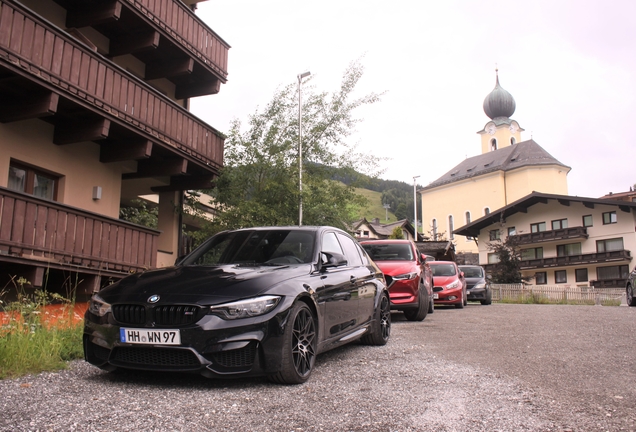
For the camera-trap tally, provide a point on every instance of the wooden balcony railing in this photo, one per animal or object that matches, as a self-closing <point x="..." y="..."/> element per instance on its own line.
<point x="553" y="235"/>
<point x="42" y="230"/>
<point x="572" y="260"/>
<point x="51" y="57"/>
<point x="185" y="27"/>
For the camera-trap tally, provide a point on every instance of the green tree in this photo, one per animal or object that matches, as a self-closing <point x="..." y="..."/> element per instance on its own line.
<point x="140" y="213"/>
<point x="259" y="183"/>
<point x="507" y="270"/>
<point x="397" y="233"/>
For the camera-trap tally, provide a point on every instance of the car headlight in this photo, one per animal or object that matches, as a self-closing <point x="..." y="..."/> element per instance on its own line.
<point x="480" y="286"/>
<point x="98" y="306"/>
<point x="245" y="308"/>
<point x="453" y="285"/>
<point x="405" y="276"/>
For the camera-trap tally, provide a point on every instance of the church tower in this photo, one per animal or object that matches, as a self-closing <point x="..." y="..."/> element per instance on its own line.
<point x="501" y="131"/>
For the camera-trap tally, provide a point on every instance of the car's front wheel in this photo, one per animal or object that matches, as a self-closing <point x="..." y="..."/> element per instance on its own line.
<point x="488" y="299"/>
<point x="380" y="329"/>
<point x="630" y="296"/>
<point x="462" y="301"/>
<point x="299" y="347"/>
<point x="418" y="313"/>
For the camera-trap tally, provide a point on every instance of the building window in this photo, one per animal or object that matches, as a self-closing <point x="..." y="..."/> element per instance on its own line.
<point x="537" y="227"/>
<point x="513" y="141"/>
<point x="532" y="253"/>
<point x="365" y="233"/>
<point x="569" y="249"/>
<point x="493" y="258"/>
<point x="469" y="238"/>
<point x="612" y="272"/>
<point x="609" y="245"/>
<point x="581" y="275"/>
<point x="32" y="181"/>
<point x="559" y="224"/>
<point x="493" y="144"/>
<point x="512" y="231"/>
<point x="587" y="221"/>
<point x="451" y="227"/>
<point x="609" y="218"/>
<point x="495" y="235"/>
<point x="541" y="278"/>
<point x="486" y="211"/>
<point x="434" y="224"/>
<point x="560" y="276"/>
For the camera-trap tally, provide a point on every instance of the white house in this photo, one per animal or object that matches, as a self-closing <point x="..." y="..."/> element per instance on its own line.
<point x="563" y="239"/>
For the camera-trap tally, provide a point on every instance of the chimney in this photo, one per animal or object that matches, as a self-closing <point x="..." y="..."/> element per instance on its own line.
<point x="376" y="220"/>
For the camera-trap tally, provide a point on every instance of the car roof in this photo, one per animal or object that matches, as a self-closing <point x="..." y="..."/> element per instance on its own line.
<point x="442" y="262"/>
<point x="386" y="241"/>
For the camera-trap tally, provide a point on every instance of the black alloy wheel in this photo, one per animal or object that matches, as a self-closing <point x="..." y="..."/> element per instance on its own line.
<point x="380" y="329"/>
<point x="299" y="350"/>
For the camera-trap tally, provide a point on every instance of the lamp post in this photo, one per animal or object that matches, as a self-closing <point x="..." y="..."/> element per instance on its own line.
<point x="415" y="206"/>
<point x="300" y="149"/>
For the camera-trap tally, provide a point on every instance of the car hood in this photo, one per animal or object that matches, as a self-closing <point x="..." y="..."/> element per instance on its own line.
<point x="200" y="284"/>
<point x="443" y="280"/>
<point x="393" y="268"/>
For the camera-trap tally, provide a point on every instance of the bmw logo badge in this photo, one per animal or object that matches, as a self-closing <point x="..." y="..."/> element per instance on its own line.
<point x="153" y="298"/>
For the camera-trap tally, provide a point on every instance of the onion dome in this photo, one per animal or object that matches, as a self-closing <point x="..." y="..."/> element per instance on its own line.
<point x="499" y="103"/>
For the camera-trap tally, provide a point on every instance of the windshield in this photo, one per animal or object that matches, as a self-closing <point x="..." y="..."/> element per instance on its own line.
<point x="276" y="247"/>
<point x="473" y="272"/>
<point x="443" y="269"/>
<point x="389" y="252"/>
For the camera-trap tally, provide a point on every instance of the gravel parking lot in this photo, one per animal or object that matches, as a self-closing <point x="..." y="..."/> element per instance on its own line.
<point x="483" y="368"/>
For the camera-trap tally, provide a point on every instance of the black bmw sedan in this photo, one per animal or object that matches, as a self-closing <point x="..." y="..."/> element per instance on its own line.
<point x="250" y="302"/>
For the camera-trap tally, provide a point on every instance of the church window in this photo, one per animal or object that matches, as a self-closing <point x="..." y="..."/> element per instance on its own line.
<point x="493" y="144"/>
<point x="434" y="226"/>
<point x="513" y="141"/>
<point x="486" y="211"/>
<point x="469" y="238"/>
<point x="451" y="227"/>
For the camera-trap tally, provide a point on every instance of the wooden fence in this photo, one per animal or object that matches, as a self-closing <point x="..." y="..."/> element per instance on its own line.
<point x="564" y="294"/>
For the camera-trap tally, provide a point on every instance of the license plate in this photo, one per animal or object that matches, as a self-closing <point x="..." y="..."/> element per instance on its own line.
<point x="155" y="337"/>
<point x="435" y="296"/>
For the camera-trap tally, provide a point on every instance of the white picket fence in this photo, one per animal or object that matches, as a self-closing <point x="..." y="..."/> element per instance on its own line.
<point x="557" y="294"/>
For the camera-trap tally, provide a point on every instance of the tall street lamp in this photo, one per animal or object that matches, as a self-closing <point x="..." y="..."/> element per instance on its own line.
<point x="415" y="206"/>
<point x="300" y="149"/>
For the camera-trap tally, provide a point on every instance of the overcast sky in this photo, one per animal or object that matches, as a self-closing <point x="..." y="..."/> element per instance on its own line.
<point x="570" y="66"/>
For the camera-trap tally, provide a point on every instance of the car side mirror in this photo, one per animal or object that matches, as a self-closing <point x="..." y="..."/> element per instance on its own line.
<point x="461" y="274"/>
<point x="332" y="259"/>
<point x="423" y="257"/>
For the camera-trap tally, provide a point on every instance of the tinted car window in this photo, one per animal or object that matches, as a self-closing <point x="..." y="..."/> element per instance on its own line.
<point x="443" y="269"/>
<point x="351" y="252"/>
<point x="472" y="272"/>
<point x="254" y="247"/>
<point x="389" y="252"/>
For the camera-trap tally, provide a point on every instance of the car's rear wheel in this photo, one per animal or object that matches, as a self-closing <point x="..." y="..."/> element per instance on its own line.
<point x="381" y="327"/>
<point x="418" y="313"/>
<point x="630" y="296"/>
<point x="299" y="347"/>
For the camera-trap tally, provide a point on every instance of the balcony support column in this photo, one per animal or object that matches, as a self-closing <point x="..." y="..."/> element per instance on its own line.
<point x="168" y="224"/>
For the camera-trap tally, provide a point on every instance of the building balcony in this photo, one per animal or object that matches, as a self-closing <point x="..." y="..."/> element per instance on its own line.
<point x="166" y="36"/>
<point x="47" y="235"/>
<point x="47" y="74"/>
<point x="553" y="235"/>
<point x="572" y="260"/>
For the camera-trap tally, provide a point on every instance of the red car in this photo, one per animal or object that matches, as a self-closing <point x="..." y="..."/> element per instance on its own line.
<point x="449" y="284"/>
<point x="407" y="275"/>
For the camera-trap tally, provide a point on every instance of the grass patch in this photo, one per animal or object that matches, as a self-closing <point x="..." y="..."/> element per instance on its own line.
<point x="39" y="331"/>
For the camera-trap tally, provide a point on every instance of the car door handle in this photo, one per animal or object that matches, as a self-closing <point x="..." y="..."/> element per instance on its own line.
<point x="353" y="280"/>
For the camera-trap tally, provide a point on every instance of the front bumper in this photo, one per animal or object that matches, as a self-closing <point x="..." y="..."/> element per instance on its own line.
<point x="449" y="296"/>
<point x="477" y="294"/>
<point x="212" y="347"/>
